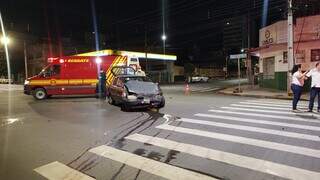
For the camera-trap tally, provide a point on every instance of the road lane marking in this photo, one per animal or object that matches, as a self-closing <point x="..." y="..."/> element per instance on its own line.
<point x="253" y="129"/>
<point x="283" y="102"/>
<point x="260" y="110"/>
<point x="267" y="115"/>
<point x="59" y="171"/>
<point x="273" y="105"/>
<point x="257" y="121"/>
<point x="148" y="165"/>
<point x="262" y="107"/>
<point x="263" y="166"/>
<point x="243" y="140"/>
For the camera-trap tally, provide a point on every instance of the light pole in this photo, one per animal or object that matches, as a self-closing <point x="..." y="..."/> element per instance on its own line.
<point x="5" y="41"/>
<point x="25" y="58"/>
<point x="290" y="45"/>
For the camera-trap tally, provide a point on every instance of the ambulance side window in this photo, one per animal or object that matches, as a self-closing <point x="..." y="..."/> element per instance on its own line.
<point x="56" y="69"/>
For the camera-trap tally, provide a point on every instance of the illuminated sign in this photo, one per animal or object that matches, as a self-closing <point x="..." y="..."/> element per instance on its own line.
<point x="78" y="60"/>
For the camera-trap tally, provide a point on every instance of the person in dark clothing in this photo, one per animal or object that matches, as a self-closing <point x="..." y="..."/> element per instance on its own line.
<point x="102" y="84"/>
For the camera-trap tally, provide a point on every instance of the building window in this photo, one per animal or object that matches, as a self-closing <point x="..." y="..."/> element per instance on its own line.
<point x="300" y="56"/>
<point x="268" y="68"/>
<point x="285" y="57"/>
<point x="315" y="55"/>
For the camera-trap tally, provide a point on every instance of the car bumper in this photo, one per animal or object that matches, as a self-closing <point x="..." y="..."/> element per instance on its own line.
<point x="154" y="102"/>
<point x="27" y="89"/>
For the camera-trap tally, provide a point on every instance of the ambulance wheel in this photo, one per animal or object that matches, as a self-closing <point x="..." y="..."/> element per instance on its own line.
<point x="40" y="94"/>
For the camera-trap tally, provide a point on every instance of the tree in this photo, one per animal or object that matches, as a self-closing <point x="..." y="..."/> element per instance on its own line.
<point x="3" y="68"/>
<point x="189" y="70"/>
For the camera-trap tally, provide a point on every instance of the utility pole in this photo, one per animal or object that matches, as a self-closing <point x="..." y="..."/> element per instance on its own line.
<point x="25" y="58"/>
<point x="290" y="45"/>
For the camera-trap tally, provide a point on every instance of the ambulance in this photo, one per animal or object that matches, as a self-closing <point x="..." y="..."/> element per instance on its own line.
<point x="74" y="75"/>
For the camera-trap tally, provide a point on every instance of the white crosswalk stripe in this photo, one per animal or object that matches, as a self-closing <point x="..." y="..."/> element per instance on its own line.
<point x="244" y="140"/>
<point x="258" y="121"/>
<point x="230" y="158"/>
<point x="259" y="110"/>
<point x="273" y="105"/>
<point x="279" y="102"/>
<point x="253" y="129"/>
<point x="148" y="165"/>
<point x="59" y="171"/>
<point x="261" y="107"/>
<point x="267" y="116"/>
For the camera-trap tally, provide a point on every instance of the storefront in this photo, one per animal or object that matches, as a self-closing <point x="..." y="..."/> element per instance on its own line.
<point x="272" y="51"/>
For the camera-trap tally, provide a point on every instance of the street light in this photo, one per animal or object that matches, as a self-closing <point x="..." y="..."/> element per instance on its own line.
<point x="164" y="37"/>
<point x="5" y="40"/>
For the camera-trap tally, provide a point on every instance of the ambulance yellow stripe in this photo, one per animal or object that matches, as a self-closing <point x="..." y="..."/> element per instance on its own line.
<point x="109" y="73"/>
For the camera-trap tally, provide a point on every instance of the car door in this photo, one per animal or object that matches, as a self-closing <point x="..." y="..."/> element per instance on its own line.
<point x="116" y="89"/>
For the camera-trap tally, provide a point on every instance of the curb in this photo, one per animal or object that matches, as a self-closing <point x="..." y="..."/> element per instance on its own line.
<point x="259" y="96"/>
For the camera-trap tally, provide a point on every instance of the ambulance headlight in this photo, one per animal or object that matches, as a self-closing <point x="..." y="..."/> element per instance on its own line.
<point x="26" y="82"/>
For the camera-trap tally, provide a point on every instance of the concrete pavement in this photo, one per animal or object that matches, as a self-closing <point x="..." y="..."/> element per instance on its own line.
<point x="201" y="136"/>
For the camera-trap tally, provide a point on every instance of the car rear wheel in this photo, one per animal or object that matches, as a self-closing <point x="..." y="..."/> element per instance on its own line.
<point x="40" y="94"/>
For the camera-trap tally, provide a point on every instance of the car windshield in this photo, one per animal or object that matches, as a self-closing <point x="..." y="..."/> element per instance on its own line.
<point x="136" y="78"/>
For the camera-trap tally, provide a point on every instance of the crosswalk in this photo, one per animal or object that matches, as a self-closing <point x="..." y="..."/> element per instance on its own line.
<point x="260" y="137"/>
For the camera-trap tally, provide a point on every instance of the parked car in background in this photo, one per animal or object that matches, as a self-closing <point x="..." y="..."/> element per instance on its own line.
<point x="134" y="91"/>
<point x="198" y="78"/>
<point x="5" y="81"/>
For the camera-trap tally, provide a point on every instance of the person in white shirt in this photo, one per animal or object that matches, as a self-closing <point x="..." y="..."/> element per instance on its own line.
<point x="315" y="86"/>
<point x="297" y="84"/>
<point x="140" y="72"/>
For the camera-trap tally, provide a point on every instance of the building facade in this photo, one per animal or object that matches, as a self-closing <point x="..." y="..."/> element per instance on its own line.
<point x="272" y="51"/>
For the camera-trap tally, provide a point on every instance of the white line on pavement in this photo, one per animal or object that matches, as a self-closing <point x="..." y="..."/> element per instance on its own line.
<point x="253" y="129"/>
<point x="273" y="105"/>
<point x="260" y="110"/>
<point x="59" y="171"/>
<point x="261" y="107"/>
<point x="148" y="165"/>
<point x="281" y="102"/>
<point x="257" y="121"/>
<point x="263" y="166"/>
<point x="243" y="140"/>
<point x="266" y="115"/>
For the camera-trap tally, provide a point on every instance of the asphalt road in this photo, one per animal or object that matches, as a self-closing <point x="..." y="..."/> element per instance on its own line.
<point x="199" y="136"/>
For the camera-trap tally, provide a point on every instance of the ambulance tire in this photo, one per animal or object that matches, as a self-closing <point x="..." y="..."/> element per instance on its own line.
<point x="40" y="94"/>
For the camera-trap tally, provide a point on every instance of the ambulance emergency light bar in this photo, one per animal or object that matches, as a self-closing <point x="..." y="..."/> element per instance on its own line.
<point x="130" y="53"/>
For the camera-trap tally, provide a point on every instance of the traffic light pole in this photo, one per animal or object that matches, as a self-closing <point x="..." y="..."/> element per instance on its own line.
<point x="290" y="45"/>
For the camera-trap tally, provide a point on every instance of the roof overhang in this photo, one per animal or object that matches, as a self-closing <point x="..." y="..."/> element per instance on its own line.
<point x="163" y="57"/>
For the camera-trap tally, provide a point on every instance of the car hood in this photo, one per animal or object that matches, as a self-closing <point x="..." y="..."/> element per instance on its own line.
<point x="141" y="87"/>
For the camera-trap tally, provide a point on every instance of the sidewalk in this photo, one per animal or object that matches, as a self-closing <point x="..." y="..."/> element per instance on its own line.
<point x="256" y="91"/>
<point x="13" y="87"/>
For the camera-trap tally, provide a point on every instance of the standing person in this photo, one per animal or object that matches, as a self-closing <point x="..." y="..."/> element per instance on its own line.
<point x="315" y="86"/>
<point x="297" y="85"/>
<point x="102" y="84"/>
<point x="140" y="72"/>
